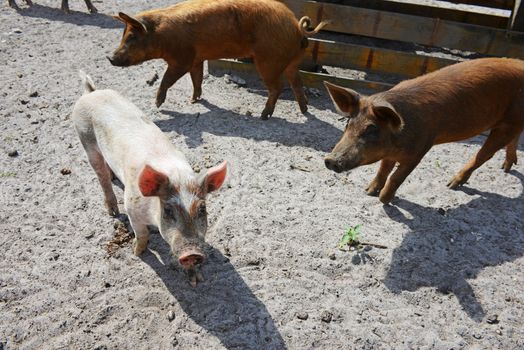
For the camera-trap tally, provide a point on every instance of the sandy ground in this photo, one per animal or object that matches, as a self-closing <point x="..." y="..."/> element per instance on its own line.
<point x="452" y="276"/>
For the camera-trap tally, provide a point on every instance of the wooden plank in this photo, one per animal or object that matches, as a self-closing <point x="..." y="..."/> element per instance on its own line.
<point x="421" y="30"/>
<point x="500" y="4"/>
<point x="517" y="16"/>
<point x="482" y="19"/>
<point x="377" y="60"/>
<point x="308" y="79"/>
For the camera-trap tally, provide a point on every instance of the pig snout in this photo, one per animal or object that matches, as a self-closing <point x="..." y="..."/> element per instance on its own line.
<point x="190" y="258"/>
<point x="118" y="61"/>
<point x="333" y="164"/>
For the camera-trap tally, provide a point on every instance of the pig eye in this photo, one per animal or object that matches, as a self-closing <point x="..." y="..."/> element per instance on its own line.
<point x="371" y="131"/>
<point x="168" y="212"/>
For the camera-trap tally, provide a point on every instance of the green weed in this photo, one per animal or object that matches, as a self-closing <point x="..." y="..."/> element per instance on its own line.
<point x="7" y="174"/>
<point x="351" y="237"/>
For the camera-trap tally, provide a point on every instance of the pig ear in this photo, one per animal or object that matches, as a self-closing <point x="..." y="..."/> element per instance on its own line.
<point x="387" y="113"/>
<point x="133" y="22"/>
<point x="215" y="177"/>
<point x="118" y="19"/>
<point x="346" y="100"/>
<point x="152" y="182"/>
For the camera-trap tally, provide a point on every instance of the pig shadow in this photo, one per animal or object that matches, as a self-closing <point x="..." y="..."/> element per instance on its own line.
<point x="74" y="17"/>
<point x="313" y="133"/>
<point x="317" y="97"/>
<point x="223" y="304"/>
<point x="448" y="247"/>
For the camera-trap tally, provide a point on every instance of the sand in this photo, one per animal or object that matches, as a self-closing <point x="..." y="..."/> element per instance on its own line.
<point x="452" y="276"/>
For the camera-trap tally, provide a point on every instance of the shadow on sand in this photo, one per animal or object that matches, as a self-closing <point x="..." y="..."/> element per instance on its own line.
<point x="447" y="248"/>
<point x="75" y="17"/>
<point x="313" y="133"/>
<point x="223" y="304"/>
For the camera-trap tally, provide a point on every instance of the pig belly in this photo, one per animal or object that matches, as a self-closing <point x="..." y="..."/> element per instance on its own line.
<point x="467" y="129"/>
<point x="227" y="50"/>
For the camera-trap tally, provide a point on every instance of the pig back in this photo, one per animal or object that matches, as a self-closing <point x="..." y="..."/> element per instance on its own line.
<point x="124" y="135"/>
<point x="462" y="100"/>
<point x="229" y="29"/>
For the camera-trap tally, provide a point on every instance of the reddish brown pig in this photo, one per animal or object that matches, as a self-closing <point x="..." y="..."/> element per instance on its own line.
<point x="65" y="5"/>
<point x="187" y="34"/>
<point x="452" y="104"/>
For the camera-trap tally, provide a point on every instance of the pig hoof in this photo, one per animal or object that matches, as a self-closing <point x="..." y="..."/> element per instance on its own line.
<point x="266" y="113"/>
<point x="458" y="180"/>
<point x="93" y="10"/>
<point x="195" y="100"/>
<point x="303" y="109"/>
<point x="372" y="193"/>
<point x="385" y="201"/>
<point x="159" y="101"/>
<point x="386" y="198"/>
<point x="265" y="116"/>
<point x="112" y="209"/>
<point x="139" y="247"/>
<point x="507" y="165"/>
<point x="373" y="190"/>
<point x="454" y="184"/>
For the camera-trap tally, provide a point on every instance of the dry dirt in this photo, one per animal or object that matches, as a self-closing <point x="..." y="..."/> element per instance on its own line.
<point x="452" y="276"/>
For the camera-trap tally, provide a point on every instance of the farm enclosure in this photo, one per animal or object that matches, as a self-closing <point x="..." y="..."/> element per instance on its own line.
<point x="452" y="276"/>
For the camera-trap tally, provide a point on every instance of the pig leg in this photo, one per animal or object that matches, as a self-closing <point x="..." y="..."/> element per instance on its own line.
<point x="497" y="139"/>
<point x="141" y="237"/>
<point x="275" y="88"/>
<point x="511" y="154"/>
<point x="135" y="209"/>
<point x="65" y="6"/>
<point x="271" y="76"/>
<point x="90" y="6"/>
<point x="197" y="75"/>
<point x="397" y="178"/>
<point x="172" y="74"/>
<point x="13" y="4"/>
<point x="294" y="80"/>
<point x="103" y="172"/>
<point x="376" y="185"/>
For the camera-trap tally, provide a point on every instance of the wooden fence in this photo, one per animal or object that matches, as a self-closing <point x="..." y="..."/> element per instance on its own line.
<point x="490" y="33"/>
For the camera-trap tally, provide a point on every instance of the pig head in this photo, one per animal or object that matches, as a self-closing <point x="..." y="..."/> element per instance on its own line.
<point x="371" y="131"/>
<point x="182" y="214"/>
<point x="138" y="42"/>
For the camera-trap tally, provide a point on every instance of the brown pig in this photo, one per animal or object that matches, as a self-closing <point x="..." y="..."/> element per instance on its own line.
<point x="451" y="104"/>
<point x="187" y="34"/>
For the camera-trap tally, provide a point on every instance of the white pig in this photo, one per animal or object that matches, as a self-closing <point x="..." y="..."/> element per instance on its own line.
<point x="161" y="188"/>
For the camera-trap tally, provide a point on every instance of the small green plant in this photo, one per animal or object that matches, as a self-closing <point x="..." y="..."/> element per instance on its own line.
<point x="7" y="174"/>
<point x="350" y="237"/>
